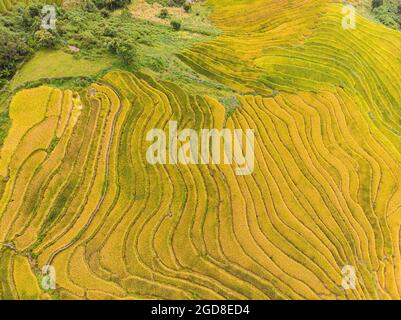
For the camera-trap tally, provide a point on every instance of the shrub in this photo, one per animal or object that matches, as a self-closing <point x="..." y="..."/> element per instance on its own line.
<point x="176" y="25"/>
<point x="110" y="32"/>
<point x="105" y="13"/>
<point x="127" y="52"/>
<point x="163" y="14"/>
<point x="388" y="15"/>
<point x="176" y="3"/>
<point x="111" y="4"/>
<point x="187" y="7"/>
<point x="45" y="39"/>
<point x="87" y="39"/>
<point x="34" y="10"/>
<point x="116" y="4"/>
<point x="376" y="3"/>
<point x="13" y="49"/>
<point x="125" y="49"/>
<point x="100" y="4"/>
<point x="89" y="6"/>
<point x="31" y="17"/>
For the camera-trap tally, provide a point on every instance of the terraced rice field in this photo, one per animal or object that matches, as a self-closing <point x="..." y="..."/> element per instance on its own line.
<point x="78" y="193"/>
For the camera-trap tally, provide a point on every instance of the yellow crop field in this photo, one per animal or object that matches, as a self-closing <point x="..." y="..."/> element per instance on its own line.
<point x="323" y="103"/>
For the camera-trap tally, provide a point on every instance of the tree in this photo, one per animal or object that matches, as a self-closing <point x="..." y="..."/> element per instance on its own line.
<point x="31" y="17"/>
<point x="125" y="49"/>
<point x="13" y="49"/>
<point x="89" y="6"/>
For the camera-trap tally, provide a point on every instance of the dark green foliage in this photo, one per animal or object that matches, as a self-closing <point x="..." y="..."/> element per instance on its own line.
<point x="20" y="36"/>
<point x="110" y="32"/>
<point x="388" y="12"/>
<point x="45" y="39"/>
<point x="89" y="6"/>
<point x="176" y="3"/>
<point x="13" y="50"/>
<point x="376" y="3"/>
<point x="111" y="4"/>
<point x="87" y="40"/>
<point x="187" y="7"/>
<point x="176" y="25"/>
<point x="105" y="13"/>
<point x="124" y="48"/>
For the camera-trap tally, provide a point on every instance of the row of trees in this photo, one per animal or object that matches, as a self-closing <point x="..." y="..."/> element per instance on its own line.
<point x="13" y="50"/>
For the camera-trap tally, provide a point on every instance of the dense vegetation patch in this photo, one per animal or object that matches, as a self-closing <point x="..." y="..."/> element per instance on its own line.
<point x="95" y="32"/>
<point x="92" y="29"/>
<point x="388" y="12"/>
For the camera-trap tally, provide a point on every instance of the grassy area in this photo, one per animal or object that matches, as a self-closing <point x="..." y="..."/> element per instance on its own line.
<point x="56" y="64"/>
<point x="130" y="39"/>
<point x="195" y="21"/>
<point x="387" y="12"/>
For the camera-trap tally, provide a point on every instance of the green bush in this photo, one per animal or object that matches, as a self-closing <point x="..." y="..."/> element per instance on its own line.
<point x="111" y="4"/>
<point x="125" y="49"/>
<point x="376" y="3"/>
<point x="176" y="3"/>
<point x="105" y="13"/>
<point x="110" y="32"/>
<point x="163" y="14"/>
<point x="176" y="25"/>
<point x="87" y="39"/>
<point x="187" y="7"/>
<point x="89" y="6"/>
<point x="45" y="39"/>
